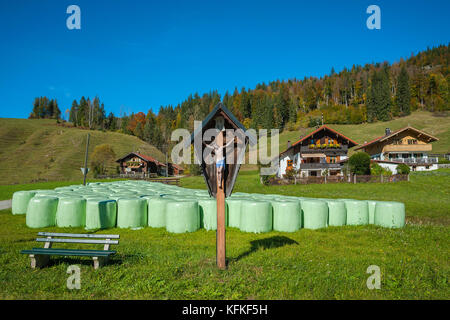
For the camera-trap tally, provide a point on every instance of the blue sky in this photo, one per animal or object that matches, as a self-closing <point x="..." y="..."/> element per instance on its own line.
<point x="137" y="55"/>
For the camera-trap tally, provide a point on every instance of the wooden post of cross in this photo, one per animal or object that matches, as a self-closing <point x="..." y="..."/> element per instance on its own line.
<point x="220" y="198"/>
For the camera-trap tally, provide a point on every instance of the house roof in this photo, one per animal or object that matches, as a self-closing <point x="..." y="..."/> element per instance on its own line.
<point x="176" y="166"/>
<point x="385" y="137"/>
<point x="210" y="116"/>
<point x="143" y="157"/>
<point x="352" y="143"/>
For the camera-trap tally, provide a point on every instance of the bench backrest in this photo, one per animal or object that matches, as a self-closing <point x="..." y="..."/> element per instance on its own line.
<point x="51" y="237"/>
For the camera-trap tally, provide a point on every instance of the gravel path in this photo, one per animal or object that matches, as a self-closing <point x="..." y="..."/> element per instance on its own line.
<point x="6" y="204"/>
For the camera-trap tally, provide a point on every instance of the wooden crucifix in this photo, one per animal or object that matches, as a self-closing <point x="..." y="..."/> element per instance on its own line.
<point x="219" y="174"/>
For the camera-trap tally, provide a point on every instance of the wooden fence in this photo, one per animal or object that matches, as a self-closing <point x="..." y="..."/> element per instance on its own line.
<point x="146" y="177"/>
<point x="341" y="179"/>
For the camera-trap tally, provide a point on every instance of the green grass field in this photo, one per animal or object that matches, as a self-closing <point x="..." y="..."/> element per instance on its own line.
<point x="38" y="149"/>
<point x="329" y="263"/>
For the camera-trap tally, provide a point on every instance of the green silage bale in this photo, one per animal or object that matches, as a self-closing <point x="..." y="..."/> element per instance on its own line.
<point x="315" y="214"/>
<point x="41" y="212"/>
<point x="256" y="216"/>
<point x="357" y="212"/>
<point x="182" y="216"/>
<point x="20" y="200"/>
<point x="100" y="213"/>
<point x="234" y="211"/>
<point x="372" y="205"/>
<point x="208" y="213"/>
<point x="287" y="215"/>
<point x="157" y="211"/>
<point x="131" y="212"/>
<point x="71" y="212"/>
<point x="337" y="213"/>
<point x="390" y="214"/>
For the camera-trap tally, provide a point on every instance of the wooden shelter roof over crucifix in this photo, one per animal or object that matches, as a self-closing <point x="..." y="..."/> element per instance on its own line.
<point x="231" y="169"/>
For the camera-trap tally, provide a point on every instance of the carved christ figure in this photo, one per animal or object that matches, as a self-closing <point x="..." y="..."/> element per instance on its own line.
<point x="219" y="158"/>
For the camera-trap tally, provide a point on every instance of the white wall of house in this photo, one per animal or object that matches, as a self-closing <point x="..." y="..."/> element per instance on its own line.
<point x="296" y="160"/>
<point x="283" y="165"/>
<point x="393" y="167"/>
<point x="431" y="167"/>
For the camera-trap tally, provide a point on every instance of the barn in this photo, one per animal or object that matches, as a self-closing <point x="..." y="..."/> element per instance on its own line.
<point x="137" y="163"/>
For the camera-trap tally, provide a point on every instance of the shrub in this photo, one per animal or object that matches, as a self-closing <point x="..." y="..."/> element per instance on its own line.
<point x="290" y="173"/>
<point x="376" y="169"/>
<point x="359" y="163"/>
<point x="102" y="159"/>
<point x="403" y="169"/>
<point x="265" y="179"/>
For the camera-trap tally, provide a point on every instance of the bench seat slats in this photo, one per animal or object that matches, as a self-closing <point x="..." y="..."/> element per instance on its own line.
<point x="91" y="241"/>
<point x="77" y="250"/>
<point x="79" y="235"/>
<point x="70" y="252"/>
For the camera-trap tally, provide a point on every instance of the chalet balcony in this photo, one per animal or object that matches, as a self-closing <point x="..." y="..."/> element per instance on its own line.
<point x="318" y="165"/>
<point x="342" y="149"/>
<point x="415" y="160"/>
<point x="407" y="148"/>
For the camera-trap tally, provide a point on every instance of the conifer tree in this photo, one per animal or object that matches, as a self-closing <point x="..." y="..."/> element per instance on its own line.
<point x="403" y="97"/>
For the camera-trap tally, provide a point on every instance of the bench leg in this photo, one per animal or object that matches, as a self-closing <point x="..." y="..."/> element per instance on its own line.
<point x="39" y="260"/>
<point x="100" y="261"/>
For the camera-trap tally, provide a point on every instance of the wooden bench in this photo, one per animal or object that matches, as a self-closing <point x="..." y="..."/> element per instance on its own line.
<point x="41" y="256"/>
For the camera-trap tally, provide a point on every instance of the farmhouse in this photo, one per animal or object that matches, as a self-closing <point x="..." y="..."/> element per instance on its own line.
<point x="174" y="169"/>
<point x="408" y="145"/>
<point x="317" y="153"/>
<point x="137" y="163"/>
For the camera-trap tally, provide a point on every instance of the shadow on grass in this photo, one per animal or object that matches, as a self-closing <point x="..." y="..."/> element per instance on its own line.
<point x="267" y="243"/>
<point x="81" y="261"/>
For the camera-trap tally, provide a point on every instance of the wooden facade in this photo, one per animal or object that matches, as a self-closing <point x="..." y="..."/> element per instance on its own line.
<point x="407" y="145"/>
<point x="316" y="153"/>
<point x="174" y="169"/>
<point x="137" y="163"/>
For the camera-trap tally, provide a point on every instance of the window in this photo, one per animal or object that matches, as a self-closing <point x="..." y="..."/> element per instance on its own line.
<point x="332" y="160"/>
<point x="289" y="164"/>
<point x="412" y="141"/>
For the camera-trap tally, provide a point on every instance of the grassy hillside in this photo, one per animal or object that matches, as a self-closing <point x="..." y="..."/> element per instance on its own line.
<point x="39" y="149"/>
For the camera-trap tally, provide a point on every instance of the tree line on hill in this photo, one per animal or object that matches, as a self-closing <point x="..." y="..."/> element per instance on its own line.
<point x="373" y="92"/>
<point x="45" y="108"/>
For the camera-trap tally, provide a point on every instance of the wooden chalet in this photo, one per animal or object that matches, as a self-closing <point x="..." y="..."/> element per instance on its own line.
<point x="137" y="163"/>
<point x="321" y="151"/>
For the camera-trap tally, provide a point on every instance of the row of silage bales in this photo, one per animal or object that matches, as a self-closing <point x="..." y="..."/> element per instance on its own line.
<point x="282" y="215"/>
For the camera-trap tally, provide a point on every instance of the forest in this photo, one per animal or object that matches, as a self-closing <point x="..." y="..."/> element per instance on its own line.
<point x="369" y="93"/>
